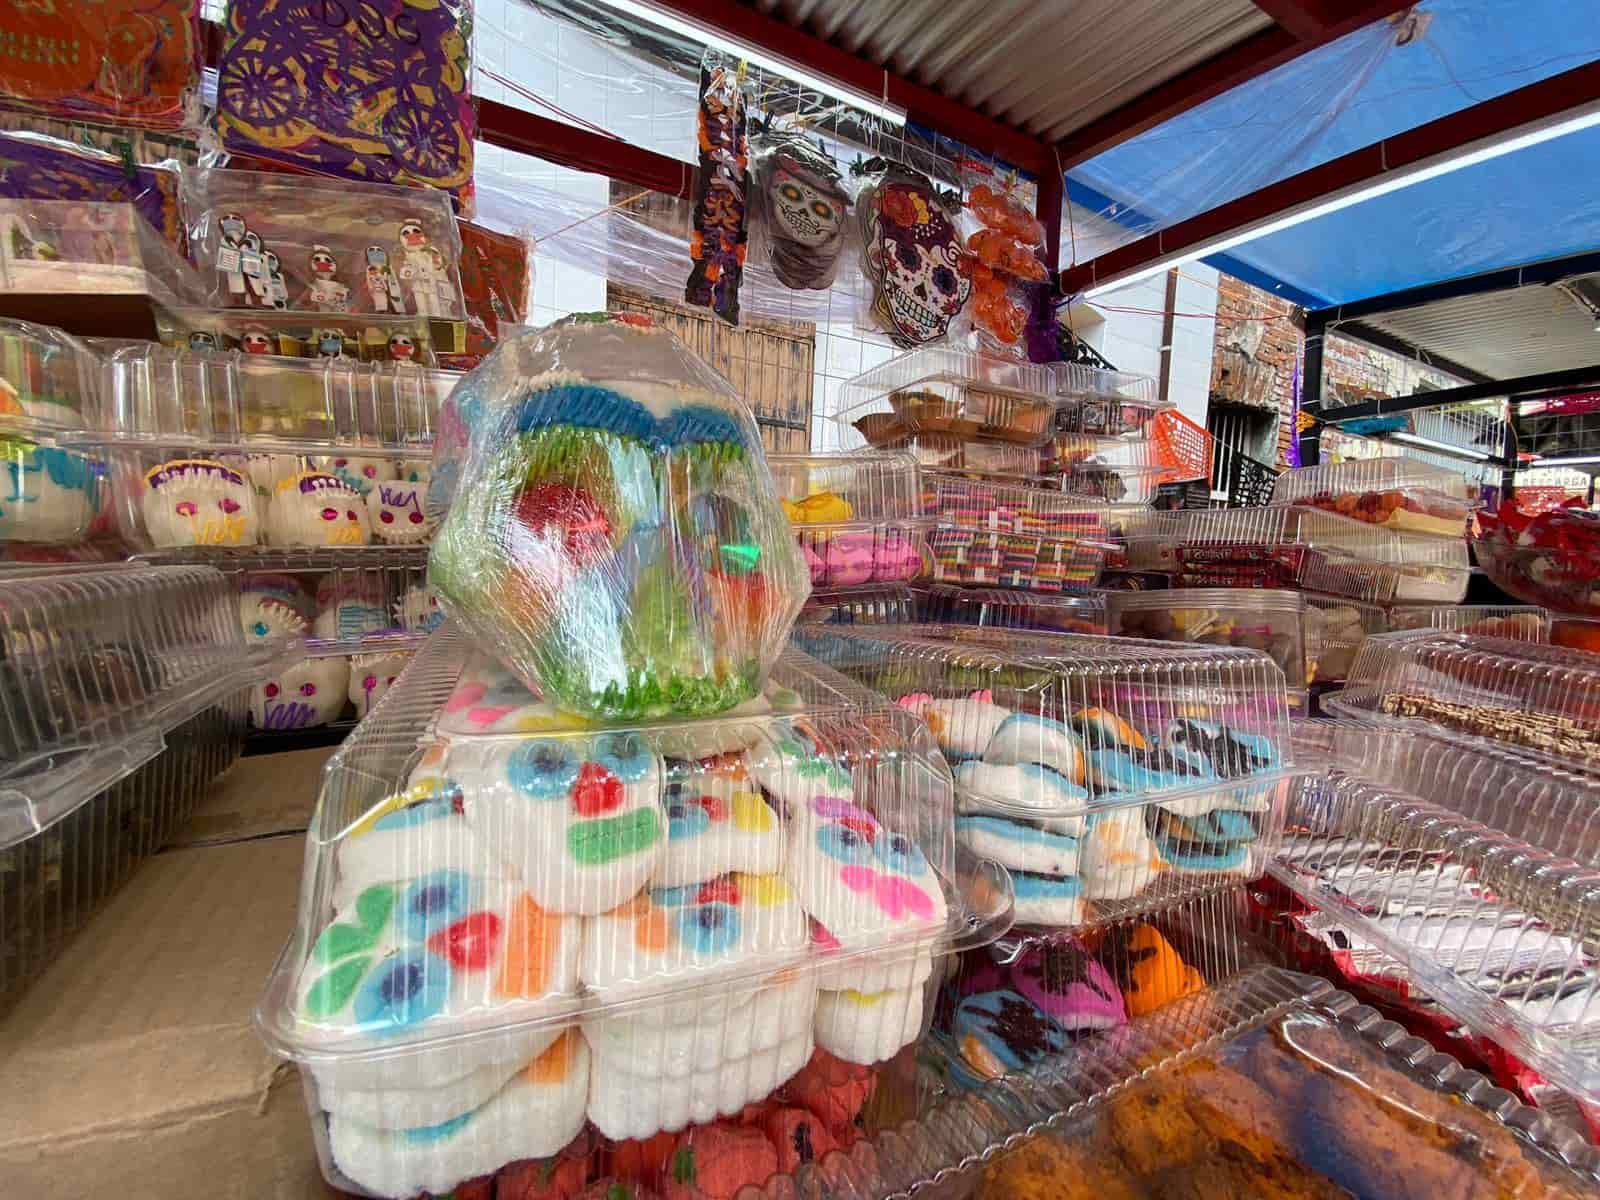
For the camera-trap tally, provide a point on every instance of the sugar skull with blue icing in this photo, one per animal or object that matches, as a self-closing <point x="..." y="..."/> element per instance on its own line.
<point x="717" y="821"/>
<point x="794" y="770"/>
<point x="199" y="502"/>
<point x="578" y="816"/>
<point x="362" y="474"/>
<point x="46" y="495"/>
<point x="613" y="496"/>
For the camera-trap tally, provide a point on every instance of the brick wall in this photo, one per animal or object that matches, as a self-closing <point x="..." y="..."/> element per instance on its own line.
<point x="1354" y="371"/>
<point x="1257" y="334"/>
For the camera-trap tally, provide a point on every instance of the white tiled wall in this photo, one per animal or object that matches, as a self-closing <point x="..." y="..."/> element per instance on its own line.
<point x="1132" y="340"/>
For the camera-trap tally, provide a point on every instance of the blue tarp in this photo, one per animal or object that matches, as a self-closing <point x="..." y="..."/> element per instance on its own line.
<point x="1382" y="80"/>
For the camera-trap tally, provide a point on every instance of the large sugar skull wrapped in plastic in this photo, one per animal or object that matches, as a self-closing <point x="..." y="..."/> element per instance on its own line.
<point x="613" y="533"/>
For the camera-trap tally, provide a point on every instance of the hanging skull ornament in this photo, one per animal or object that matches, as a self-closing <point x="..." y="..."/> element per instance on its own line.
<point x="912" y="252"/>
<point x="805" y="206"/>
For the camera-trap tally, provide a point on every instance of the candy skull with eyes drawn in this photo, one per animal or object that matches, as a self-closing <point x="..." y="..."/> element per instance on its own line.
<point x="360" y="473"/>
<point x="310" y="693"/>
<point x="313" y="508"/>
<point x="402" y="348"/>
<point x="199" y="502"/>
<point x="371" y="675"/>
<point x="255" y="341"/>
<point x="397" y="512"/>
<point x="912" y="251"/>
<point x="273" y="607"/>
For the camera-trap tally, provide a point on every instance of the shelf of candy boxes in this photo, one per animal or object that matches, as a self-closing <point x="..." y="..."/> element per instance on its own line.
<point x="1402" y="494"/>
<point x="1536" y="700"/>
<point x="858" y="518"/>
<point x="123" y="698"/>
<point x="1292" y="546"/>
<point x="688" y="915"/>
<point x="1109" y="776"/>
<point x="225" y="453"/>
<point x="1015" y="535"/>
<point x="1471" y="868"/>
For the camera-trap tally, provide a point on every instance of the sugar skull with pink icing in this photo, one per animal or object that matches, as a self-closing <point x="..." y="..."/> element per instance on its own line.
<point x="313" y="508"/>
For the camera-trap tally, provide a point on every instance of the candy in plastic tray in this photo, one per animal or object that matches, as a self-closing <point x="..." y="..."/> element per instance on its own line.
<point x="1101" y="401"/>
<point x="1537" y="699"/>
<point x="857" y="518"/>
<point x="1108" y="775"/>
<point x="1265" y="619"/>
<point x="1110" y="483"/>
<point x="948" y="452"/>
<point x="1403" y="494"/>
<point x="1000" y="608"/>
<point x="514" y="922"/>
<point x="49" y="389"/>
<point x="1471" y="867"/>
<point x="326" y="685"/>
<point x="893" y="604"/>
<point x="615" y="535"/>
<point x="1012" y="535"/>
<point x="365" y="338"/>
<point x="952" y="391"/>
<point x="1519" y="622"/>
<point x="54" y="249"/>
<point x="229" y="451"/>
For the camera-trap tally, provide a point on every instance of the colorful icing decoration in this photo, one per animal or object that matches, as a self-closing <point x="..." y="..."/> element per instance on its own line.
<point x="398" y="513"/>
<point x="1022" y="788"/>
<point x="273" y="608"/>
<point x="371" y="676"/>
<point x="46" y="495"/>
<point x="1025" y="738"/>
<point x="313" y="508"/>
<point x="1068" y="986"/>
<point x="1047" y="900"/>
<point x="418" y="610"/>
<point x="1001" y="1032"/>
<point x="912" y="253"/>
<point x="198" y="502"/>
<point x="1018" y="845"/>
<point x="803" y="207"/>
<point x="361" y="474"/>
<point x="308" y="694"/>
<point x="1118" y="859"/>
<point x="868" y="1027"/>
<point x="1217" y="841"/>
<point x="579" y="816"/>
<point x="488" y="699"/>
<point x="398" y="109"/>
<point x="795" y="772"/>
<point x="963" y="728"/>
<point x="717" y="821"/>
<point x="1229" y="753"/>
<point x="348" y="612"/>
<point x="1148" y="969"/>
<point x="717" y="244"/>
<point x="420" y="831"/>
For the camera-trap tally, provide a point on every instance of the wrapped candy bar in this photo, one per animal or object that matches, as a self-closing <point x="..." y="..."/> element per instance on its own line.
<point x="615" y="535"/>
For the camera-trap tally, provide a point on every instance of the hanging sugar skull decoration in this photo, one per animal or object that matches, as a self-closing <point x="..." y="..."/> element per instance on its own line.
<point x="921" y="276"/>
<point x="803" y="205"/>
<point x="717" y="244"/>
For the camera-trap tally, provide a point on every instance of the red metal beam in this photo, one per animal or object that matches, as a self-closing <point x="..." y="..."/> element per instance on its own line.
<point x="1238" y="64"/>
<point x="1542" y="101"/>
<point x="922" y="104"/>
<point x="1303" y="19"/>
<point x="579" y="148"/>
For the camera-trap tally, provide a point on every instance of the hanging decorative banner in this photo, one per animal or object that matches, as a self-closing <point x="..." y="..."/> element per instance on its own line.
<point x="375" y="90"/>
<point x="717" y="244"/>
<point x="801" y="207"/>
<point x="35" y="166"/>
<point x="911" y="250"/>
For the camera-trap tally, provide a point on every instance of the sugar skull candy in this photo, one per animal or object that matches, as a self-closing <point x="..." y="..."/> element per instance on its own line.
<point x="308" y="694"/>
<point x="397" y="511"/>
<point x="198" y="502"/>
<point x="921" y="274"/>
<point x="360" y="473"/>
<point x="46" y="495"/>
<point x="371" y="675"/>
<point x="313" y="508"/>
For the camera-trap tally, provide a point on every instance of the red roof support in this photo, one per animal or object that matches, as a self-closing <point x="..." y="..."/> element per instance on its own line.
<point x="1539" y="102"/>
<point x="583" y="150"/>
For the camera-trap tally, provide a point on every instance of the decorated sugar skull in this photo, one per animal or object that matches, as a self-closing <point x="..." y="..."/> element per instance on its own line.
<point x="308" y="694"/>
<point x="202" y="339"/>
<point x="265" y="471"/>
<point x="255" y="341"/>
<point x="46" y="495"/>
<point x="360" y="473"/>
<point x="414" y="470"/>
<point x="913" y="254"/>
<point x="418" y="609"/>
<point x="328" y="343"/>
<point x="613" y="495"/>
<point x="347" y="611"/>
<point x="402" y="347"/>
<point x="314" y="508"/>
<point x="273" y="608"/>
<point x="579" y="816"/>
<point x="489" y="699"/>
<point x="371" y="675"/>
<point x="397" y="512"/>
<point x="717" y="821"/>
<point x="805" y="207"/>
<point x="412" y="235"/>
<point x="199" y="502"/>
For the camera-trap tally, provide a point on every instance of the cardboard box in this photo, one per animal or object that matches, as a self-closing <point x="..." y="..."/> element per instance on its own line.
<point x="260" y="796"/>
<point x="131" y="1070"/>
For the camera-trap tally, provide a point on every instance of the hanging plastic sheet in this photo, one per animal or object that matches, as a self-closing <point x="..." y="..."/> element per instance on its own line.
<point x="36" y="167"/>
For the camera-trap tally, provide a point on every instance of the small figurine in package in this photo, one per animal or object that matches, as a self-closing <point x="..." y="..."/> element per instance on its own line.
<point x="717" y="244"/>
<point x="254" y="265"/>
<point x="402" y="347"/>
<point x="325" y="293"/>
<point x="255" y="341"/>
<point x="277" y="286"/>
<point x="326" y="343"/>
<point x="230" y="259"/>
<point x="911" y="250"/>
<point x="802" y="205"/>
<point x="383" y="289"/>
<point x="424" y="269"/>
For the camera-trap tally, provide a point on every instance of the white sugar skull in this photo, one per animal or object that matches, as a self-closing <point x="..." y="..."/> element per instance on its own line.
<point x="308" y="694"/>
<point x="415" y="470"/>
<point x="265" y="471"/>
<point x="396" y="510"/>
<point x="348" y="613"/>
<point x="199" y="502"/>
<point x="313" y="508"/>
<point x="359" y="473"/>
<point x="272" y="608"/>
<point x="255" y="341"/>
<point x="418" y="610"/>
<point x="46" y="495"/>
<point x="371" y="675"/>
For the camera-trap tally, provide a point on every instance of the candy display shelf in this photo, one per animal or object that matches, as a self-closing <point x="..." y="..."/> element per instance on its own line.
<point x="1402" y="494"/>
<point x="1001" y="608"/>
<point x="946" y="390"/>
<point x="857" y="518"/>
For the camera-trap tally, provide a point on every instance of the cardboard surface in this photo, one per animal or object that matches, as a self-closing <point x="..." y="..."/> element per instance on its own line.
<point x="259" y="796"/>
<point x="130" y="1068"/>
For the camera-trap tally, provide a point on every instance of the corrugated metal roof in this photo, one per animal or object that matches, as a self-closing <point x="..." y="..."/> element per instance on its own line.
<point x="1524" y="331"/>
<point x="1046" y="66"/>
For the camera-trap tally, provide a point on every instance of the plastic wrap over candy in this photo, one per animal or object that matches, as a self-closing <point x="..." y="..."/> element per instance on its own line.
<point x="615" y="536"/>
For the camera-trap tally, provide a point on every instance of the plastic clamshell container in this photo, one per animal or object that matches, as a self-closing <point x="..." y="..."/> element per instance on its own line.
<point x="1471" y="867"/>
<point x="1265" y="619"/>
<point x="1335" y="627"/>
<point x="1519" y="622"/>
<point x="894" y="604"/>
<point x="1110" y="483"/>
<point x="1403" y="494"/>
<point x="1535" y="699"/>
<point x="326" y="686"/>
<point x="364" y="337"/>
<point x="99" y="665"/>
<point x="1544" y="575"/>
<point x="514" y="921"/>
<point x="62" y="248"/>
<point x="975" y="456"/>
<point x="1292" y="545"/>
<point x="949" y="390"/>
<point x="857" y="518"/>
<point x="1102" y="401"/>
<point x="951" y="605"/>
<point x="227" y="452"/>
<point x="1108" y="775"/>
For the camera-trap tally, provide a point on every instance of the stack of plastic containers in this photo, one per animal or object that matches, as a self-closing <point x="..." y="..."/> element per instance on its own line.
<point x="950" y="604"/>
<point x="1102" y="446"/>
<point x="307" y="483"/>
<point x="123" y="701"/>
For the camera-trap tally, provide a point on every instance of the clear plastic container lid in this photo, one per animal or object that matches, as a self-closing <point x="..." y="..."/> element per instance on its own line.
<point x="97" y="665"/>
<point x="49" y="381"/>
<point x="1079" y="381"/>
<point x="484" y="874"/>
<point x="1519" y="622"/>
<point x="947" y="389"/>
<point x="857" y="518"/>
<point x="1265" y="619"/>
<point x="60" y="248"/>
<point x="614" y="533"/>
<point x="1538" y="699"/>
<point x="1003" y="507"/>
<point x="950" y="605"/>
<point x="363" y="337"/>
<point x="893" y="604"/>
<point x="1471" y="867"/>
<point x="1109" y="483"/>
<point x="1402" y="494"/>
<point x="1335" y="627"/>
<point x="975" y="456"/>
<point x="1046" y="565"/>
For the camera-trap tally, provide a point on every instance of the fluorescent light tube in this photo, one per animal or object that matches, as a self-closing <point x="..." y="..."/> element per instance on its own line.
<point x="773" y="61"/>
<point x="1416" y="439"/>
<point x="1575" y="461"/>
